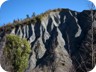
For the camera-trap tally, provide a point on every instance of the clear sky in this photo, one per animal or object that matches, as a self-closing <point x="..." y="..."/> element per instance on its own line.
<point x="18" y="9"/>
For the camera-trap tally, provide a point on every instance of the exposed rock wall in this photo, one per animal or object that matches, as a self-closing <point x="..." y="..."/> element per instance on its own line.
<point x="57" y="42"/>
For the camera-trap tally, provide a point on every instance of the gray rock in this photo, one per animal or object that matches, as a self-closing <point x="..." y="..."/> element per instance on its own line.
<point x="57" y="42"/>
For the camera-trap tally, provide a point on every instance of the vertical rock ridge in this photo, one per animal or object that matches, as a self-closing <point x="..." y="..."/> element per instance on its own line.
<point x="56" y="41"/>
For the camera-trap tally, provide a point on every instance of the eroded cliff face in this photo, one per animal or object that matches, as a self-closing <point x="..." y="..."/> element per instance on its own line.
<point x="59" y="42"/>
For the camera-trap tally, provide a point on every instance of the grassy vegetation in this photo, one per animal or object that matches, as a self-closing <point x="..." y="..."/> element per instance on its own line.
<point x="28" y="20"/>
<point x="16" y="53"/>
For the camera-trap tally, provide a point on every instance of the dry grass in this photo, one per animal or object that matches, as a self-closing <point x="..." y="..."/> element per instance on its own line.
<point x="26" y="21"/>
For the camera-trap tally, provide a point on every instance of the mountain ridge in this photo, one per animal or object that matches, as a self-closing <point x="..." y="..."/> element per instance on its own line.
<point x="32" y="18"/>
<point x="60" y="41"/>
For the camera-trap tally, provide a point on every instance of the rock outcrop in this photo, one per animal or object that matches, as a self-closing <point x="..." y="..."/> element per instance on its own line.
<point x="60" y="41"/>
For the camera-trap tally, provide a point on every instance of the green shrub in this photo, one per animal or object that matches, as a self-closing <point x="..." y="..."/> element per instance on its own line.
<point x="17" y="52"/>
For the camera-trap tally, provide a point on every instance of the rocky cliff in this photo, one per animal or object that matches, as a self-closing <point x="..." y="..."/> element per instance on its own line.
<point x="60" y="41"/>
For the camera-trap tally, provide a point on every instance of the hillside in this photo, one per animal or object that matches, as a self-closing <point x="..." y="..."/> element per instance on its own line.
<point x="60" y="40"/>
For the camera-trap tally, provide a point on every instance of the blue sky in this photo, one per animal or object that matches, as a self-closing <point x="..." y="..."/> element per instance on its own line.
<point x="18" y="9"/>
